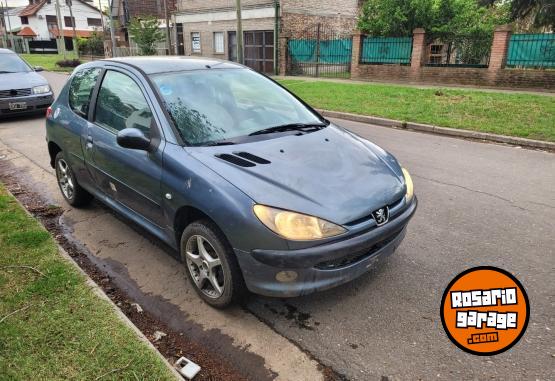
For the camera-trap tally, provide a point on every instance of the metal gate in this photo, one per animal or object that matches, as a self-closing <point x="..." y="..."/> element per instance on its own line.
<point x="320" y="51"/>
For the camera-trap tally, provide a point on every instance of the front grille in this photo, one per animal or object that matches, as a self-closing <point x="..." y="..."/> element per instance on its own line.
<point x="368" y="217"/>
<point x="13" y="93"/>
<point x="357" y="256"/>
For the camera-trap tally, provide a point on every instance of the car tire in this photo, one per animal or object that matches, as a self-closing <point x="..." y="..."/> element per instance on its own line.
<point x="70" y="188"/>
<point x="216" y="263"/>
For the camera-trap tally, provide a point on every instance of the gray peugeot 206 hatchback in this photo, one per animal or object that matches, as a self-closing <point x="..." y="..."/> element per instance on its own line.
<point x="253" y="187"/>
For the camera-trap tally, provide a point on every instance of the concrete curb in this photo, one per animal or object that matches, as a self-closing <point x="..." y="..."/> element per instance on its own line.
<point x="100" y="293"/>
<point x="454" y="132"/>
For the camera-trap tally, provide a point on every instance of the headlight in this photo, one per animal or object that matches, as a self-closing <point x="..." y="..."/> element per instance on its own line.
<point x="410" y="186"/>
<point x="296" y="226"/>
<point x="41" y="89"/>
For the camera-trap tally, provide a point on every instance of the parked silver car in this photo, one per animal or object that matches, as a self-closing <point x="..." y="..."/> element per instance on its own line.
<point x="22" y="90"/>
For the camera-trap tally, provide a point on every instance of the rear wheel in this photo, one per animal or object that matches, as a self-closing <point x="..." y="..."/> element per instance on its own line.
<point x="71" y="190"/>
<point x="211" y="265"/>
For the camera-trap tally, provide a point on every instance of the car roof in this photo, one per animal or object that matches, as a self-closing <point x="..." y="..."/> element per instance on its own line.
<point x="6" y="51"/>
<point x="164" y="64"/>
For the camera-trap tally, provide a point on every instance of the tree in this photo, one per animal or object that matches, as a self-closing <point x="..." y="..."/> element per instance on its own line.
<point x="395" y="18"/>
<point x="440" y="18"/>
<point x="146" y="33"/>
<point x="539" y="13"/>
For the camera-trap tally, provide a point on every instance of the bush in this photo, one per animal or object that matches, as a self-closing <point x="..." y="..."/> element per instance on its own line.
<point x="93" y="45"/>
<point x="69" y="63"/>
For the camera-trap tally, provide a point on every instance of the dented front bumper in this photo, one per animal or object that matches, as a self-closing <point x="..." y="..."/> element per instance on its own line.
<point x="324" y="266"/>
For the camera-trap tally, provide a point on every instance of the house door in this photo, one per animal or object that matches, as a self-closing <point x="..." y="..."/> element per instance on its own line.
<point x="232" y="46"/>
<point x="180" y="44"/>
<point x="259" y="50"/>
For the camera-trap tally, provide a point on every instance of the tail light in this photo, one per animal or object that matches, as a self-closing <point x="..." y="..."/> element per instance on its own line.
<point x="48" y="112"/>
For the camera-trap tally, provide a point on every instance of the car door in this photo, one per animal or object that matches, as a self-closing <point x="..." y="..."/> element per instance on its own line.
<point x="128" y="176"/>
<point x="74" y="122"/>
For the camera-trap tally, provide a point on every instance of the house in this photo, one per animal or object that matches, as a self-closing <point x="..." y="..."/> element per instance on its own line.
<point x="10" y="26"/>
<point x="123" y="11"/>
<point x="39" y="21"/>
<point x="209" y="27"/>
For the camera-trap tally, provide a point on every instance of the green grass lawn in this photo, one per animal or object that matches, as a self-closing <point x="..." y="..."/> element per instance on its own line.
<point x="514" y="114"/>
<point x="48" y="61"/>
<point x="52" y="326"/>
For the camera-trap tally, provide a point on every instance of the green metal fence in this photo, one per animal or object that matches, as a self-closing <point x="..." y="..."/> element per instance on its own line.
<point x="330" y="51"/>
<point x="386" y="50"/>
<point x="320" y="51"/>
<point x="532" y="50"/>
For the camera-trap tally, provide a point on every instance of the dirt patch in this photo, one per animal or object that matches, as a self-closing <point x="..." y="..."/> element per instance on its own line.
<point x="174" y="344"/>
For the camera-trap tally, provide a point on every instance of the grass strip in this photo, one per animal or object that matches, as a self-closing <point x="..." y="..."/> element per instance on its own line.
<point x="512" y="114"/>
<point x="52" y="325"/>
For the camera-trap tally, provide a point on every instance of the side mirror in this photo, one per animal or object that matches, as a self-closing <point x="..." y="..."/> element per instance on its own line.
<point x="133" y="138"/>
<point x="38" y="68"/>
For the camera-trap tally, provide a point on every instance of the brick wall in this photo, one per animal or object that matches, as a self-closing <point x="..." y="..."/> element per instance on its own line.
<point x="294" y="25"/>
<point x="149" y="8"/>
<point x="494" y="75"/>
<point x="214" y="5"/>
<point x="326" y="8"/>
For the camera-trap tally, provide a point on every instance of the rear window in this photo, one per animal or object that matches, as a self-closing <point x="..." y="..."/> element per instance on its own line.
<point x="80" y="90"/>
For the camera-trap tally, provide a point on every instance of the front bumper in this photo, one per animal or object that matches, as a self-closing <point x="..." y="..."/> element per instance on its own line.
<point x="35" y="104"/>
<point x="324" y="266"/>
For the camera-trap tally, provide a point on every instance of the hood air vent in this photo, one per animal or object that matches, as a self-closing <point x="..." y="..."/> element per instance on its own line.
<point x="243" y="159"/>
<point x="235" y="160"/>
<point x="251" y="157"/>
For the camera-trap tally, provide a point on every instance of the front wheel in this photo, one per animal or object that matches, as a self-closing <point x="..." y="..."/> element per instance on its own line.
<point x="211" y="265"/>
<point x="71" y="190"/>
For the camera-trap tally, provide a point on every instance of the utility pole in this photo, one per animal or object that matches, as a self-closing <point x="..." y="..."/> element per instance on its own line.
<point x="9" y="26"/>
<point x="60" y="28"/>
<point x="240" y="57"/>
<point x="112" y="31"/>
<point x="74" y="39"/>
<point x="168" y="38"/>
<point x="4" y="28"/>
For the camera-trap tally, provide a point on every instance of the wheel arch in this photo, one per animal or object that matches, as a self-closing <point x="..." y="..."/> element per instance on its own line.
<point x="53" y="150"/>
<point x="184" y="216"/>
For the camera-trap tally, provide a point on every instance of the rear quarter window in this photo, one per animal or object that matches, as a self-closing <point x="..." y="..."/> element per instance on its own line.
<point x="80" y="90"/>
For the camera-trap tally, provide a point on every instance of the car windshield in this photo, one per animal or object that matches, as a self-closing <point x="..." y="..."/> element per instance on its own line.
<point x="214" y="105"/>
<point x="11" y="63"/>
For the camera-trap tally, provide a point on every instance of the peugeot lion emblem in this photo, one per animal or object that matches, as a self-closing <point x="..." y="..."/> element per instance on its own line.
<point x="381" y="215"/>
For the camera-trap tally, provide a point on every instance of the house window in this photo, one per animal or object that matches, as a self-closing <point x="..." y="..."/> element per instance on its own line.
<point x="195" y="42"/>
<point x="24" y="20"/>
<point x="219" y="42"/>
<point x="94" y="22"/>
<point x="51" y="22"/>
<point x="69" y="21"/>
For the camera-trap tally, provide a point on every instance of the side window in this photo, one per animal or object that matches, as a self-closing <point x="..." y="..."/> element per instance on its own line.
<point x="121" y="104"/>
<point x="81" y="89"/>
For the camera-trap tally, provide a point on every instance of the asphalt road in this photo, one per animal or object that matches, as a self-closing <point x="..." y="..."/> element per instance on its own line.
<point x="480" y="204"/>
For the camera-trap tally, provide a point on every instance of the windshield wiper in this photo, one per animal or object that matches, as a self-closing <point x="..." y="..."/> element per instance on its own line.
<point x="219" y="143"/>
<point x="289" y="127"/>
<point x="7" y="72"/>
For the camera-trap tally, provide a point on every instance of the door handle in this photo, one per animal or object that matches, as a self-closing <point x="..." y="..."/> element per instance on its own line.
<point x="89" y="143"/>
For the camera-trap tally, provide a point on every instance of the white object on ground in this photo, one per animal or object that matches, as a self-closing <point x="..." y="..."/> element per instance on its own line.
<point x="158" y="335"/>
<point x="137" y="307"/>
<point x="187" y="368"/>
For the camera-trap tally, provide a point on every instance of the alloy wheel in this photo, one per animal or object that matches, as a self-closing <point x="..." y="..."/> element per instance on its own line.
<point x="64" y="179"/>
<point x="205" y="266"/>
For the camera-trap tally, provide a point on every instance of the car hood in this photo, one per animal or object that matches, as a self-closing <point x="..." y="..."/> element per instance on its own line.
<point x="330" y="173"/>
<point x="9" y="81"/>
